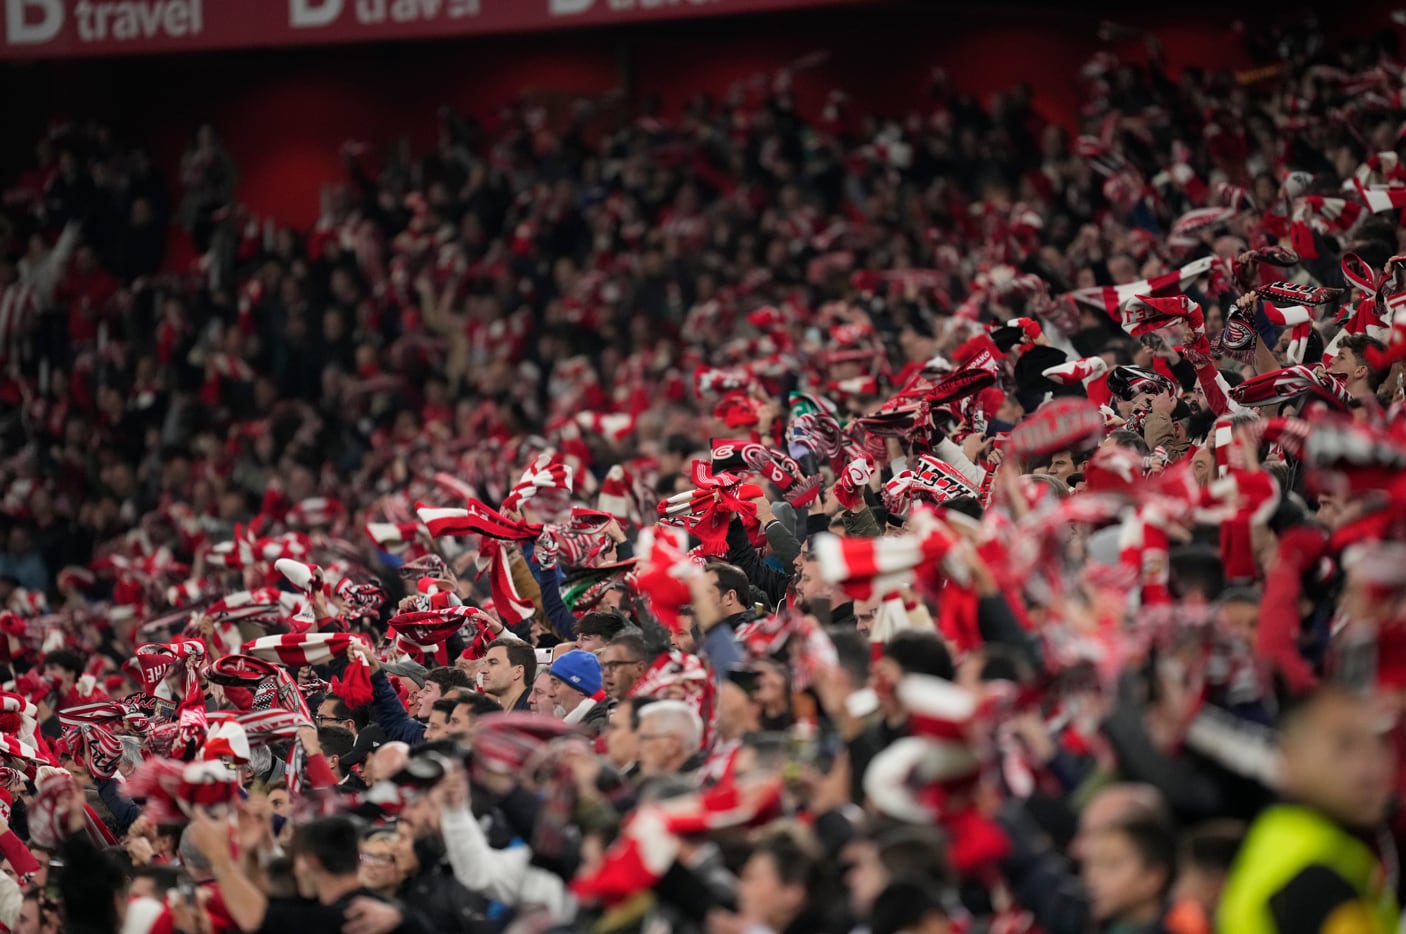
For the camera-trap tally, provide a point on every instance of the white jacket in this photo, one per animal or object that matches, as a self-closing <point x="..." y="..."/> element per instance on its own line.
<point x="505" y="876"/>
<point x="43" y="276"/>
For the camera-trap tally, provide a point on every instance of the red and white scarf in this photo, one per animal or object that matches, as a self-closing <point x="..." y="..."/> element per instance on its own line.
<point x="48" y="814"/>
<point x="477" y="518"/>
<point x="422" y="634"/>
<point x="1290" y="384"/>
<point x="851" y="483"/>
<point x="1109" y="299"/>
<point x="682" y="676"/>
<point x="266" y="605"/>
<point x="272" y="686"/>
<point x="872" y="567"/>
<point x="649" y="841"/>
<point x="707" y="510"/>
<point x="664" y="567"/>
<point x="547" y="480"/>
<point x="299" y="650"/>
<point x="91" y="728"/>
<point x="748" y="455"/>
<point x="171" y="791"/>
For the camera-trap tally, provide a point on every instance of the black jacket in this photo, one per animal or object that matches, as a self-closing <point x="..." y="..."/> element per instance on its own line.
<point x="873" y="740"/>
<point x="685" y="894"/>
<point x="307" y="916"/>
<point x="439" y="898"/>
<point x="737" y="619"/>
<point x="765" y="578"/>
<point x="1041" y="879"/>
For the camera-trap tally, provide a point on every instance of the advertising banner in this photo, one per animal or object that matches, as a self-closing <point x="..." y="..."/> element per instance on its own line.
<point x="48" y="29"/>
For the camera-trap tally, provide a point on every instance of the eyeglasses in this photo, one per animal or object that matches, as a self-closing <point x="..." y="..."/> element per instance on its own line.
<point x="319" y="719"/>
<point x="611" y="666"/>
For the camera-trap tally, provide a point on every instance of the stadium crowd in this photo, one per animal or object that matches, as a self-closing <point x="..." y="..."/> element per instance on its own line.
<point x="739" y="523"/>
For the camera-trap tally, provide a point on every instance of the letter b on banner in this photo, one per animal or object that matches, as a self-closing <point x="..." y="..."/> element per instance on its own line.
<point x="570" y="7"/>
<point x="21" y="27"/>
<point x="310" y="14"/>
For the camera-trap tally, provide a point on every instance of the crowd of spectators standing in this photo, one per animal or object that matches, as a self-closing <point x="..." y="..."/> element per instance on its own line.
<point x="740" y="521"/>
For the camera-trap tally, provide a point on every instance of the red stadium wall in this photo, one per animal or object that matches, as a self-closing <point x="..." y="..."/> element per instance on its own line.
<point x="284" y="113"/>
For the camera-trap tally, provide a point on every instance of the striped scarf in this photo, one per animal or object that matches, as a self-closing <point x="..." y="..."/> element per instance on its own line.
<point x="274" y="688"/>
<point x="476" y="518"/>
<point x="675" y="673"/>
<point x="776" y="467"/>
<point x="91" y="727"/>
<point x="707" y="510"/>
<point x="422" y="634"/>
<point x="48" y="814"/>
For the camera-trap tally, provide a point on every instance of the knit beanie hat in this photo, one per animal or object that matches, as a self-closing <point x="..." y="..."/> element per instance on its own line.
<point x="580" y="670"/>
